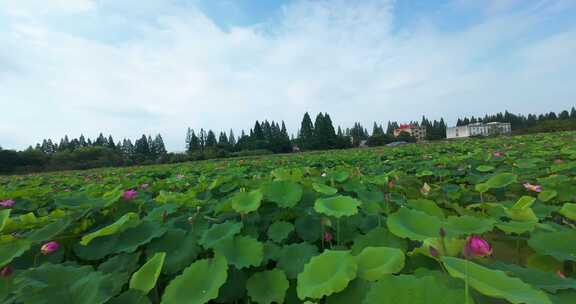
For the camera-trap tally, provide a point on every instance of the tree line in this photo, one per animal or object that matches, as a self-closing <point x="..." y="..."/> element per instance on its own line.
<point x="531" y="123"/>
<point x="265" y="137"/>
<point x="84" y="153"/>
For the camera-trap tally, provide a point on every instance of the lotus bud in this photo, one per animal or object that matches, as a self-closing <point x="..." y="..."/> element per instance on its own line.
<point x="6" y="271"/>
<point x="533" y="188"/>
<point x="7" y="203"/>
<point x="129" y="194"/>
<point x="49" y="247"/>
<point x="560" y="274"/>
<point x="433" y="252"/>
<point x="477" y="247"/>
<point x="328" y="236"/>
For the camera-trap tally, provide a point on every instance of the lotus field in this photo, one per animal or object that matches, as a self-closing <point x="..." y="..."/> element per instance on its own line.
<point x="473" y="221"/>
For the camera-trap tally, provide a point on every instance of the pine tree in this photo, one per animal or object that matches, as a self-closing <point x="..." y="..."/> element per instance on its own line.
<point x="194" y="143"/>
<point x="159" y="149"/>
<point x="232" y="138"/>
<point x="211" y="140"/>
<point x="111" y="145"/>
<point x="306" y="135"/>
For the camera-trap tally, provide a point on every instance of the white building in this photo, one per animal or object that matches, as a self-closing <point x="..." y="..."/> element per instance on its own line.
<point x="479" y="129"/>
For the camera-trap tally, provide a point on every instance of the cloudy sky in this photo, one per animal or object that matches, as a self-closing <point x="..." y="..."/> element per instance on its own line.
<point x="127" y="67"/>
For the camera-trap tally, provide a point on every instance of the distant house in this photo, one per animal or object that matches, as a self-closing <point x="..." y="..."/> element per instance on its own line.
<point x="479" y="129"/>
<point x="417" y="132"/>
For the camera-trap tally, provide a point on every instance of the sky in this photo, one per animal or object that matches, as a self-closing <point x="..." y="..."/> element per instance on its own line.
<point x="128" y="67"/>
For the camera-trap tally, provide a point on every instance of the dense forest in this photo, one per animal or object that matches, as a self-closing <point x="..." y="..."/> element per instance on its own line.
<point x="265" y="137"/>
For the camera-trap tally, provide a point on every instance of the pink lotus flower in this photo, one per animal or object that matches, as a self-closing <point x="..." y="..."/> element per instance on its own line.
<point x="130" y="194"/>
<point x="433" y="251"/>
<point x="328" y="236"/>
<point x="49" y="247"/>
<point x="560" y="274"/>
<point x="5" y="271"/>
<point x="498" y="154"/>
<point x="7" y="203"/>
<point x="144" y="186"/>
<point x="477" y="247"/>
<point x="533" y="188"/>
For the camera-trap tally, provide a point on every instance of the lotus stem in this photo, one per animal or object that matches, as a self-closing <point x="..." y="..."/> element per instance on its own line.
<point x="466" y="282"/>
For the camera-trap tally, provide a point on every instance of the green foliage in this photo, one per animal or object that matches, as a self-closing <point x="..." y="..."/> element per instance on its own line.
<point x="198" y="283"/>
<point x="145" y="278"/>
<point x="376" y="262"/>
<point x="337" y="206"/>
<point x="328" y="273"/>
<point x="267" y="287"/>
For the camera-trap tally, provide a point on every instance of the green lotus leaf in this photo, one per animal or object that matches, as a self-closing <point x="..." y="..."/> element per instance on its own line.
<point x="482" y="187"/>
<point x="501" y="180"/>
<point x="271" y="252"/>
<point x="376" y="262"/>
<point x="55" y="283"/>
<point x="516" y="227"/>
<point x="145" y="278"/>
<point x="524" y="202"/>
<point x="126" y="241"/>
<point x="131" y="296"/>
<point x="561" y="245"/>
<point x="11" y="249"/>
<point x="124" y="264"/>
<point x="467" y="225"/>
<point x="219" y="232"/>
<point x="308" y="228"/>
<point x="427" y="206"/>
<point x="293" y="257"/>
<point x="569" y="211"/>
<point x="494" y="283"/>
<point x="241" y="251"/>
<point x="544" y="263"/>
<point x="279" y="231"/>
<point x="564" y="297"/>
<point x="128" y="220"/>
<point x="454" y="246"/>
<point x="246" y="202"/>
<point x="379" y="237"/>
<point x="413" y="290"/>
<point x="325" y="274"/>
<point x="522" y="215"/>
<point x="267" y="286"/>
<point x="199" y="283"/>
<point x="4" y="216"/>
<point x="354" y="293"/>
<point x="338" y="175"/>
<point x="413" y="224"/>
<point x="548" y="281"/>
<point x="286" y="194"/>
<point x="234" y="289"/>
<point x="337" y="206"/>
<point x="547" y="195"/>
<point x="182" y="249"/>
<point x="49" y="231"/>
<point x="324" y="189"/>
<point x="484" y="168"/>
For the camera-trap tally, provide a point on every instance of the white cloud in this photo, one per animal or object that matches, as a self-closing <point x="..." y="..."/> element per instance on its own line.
<point x="177" y="69"/>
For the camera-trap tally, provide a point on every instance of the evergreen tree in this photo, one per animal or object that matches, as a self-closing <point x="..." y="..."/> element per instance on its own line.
<point x="211" y="140"/>
<point x="306" y="135"/>
<point x="232" y="138"/>
<point x="142" y="148"/>
<point x="111" y="145"/>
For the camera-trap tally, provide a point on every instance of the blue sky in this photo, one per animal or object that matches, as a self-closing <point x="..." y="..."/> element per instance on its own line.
<point x="127" y="67"/>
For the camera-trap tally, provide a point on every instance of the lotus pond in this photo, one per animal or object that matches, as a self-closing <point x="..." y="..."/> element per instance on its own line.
<point x="474" y="221"/>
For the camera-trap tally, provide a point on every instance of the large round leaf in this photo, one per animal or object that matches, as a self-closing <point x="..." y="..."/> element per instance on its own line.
<point x="219" y="232"/>
<point x="501" y="180"/>
<point x="293" y="257"/>
<point x="286" y="194"/>
<point x="267" y="287"/>
<point x="198" y="284"/>
<point x="467" y="225"/>
<point x="182" y="249"/>
<point x="337" y="206"/>
<point x="4" y="216"/>
<point x="549" y="281"/>
<point x="128" y="220"/>
<point x="376" y="262"/>
<point x="561" y="245"/>
<point x="51" y="283"/>
<point x="145" y="278"/>
<point x="569" y="211"/>
<point x="12" y="249"/>
<point x="279" y="231"/>
<point x="324" y="189"/>
<point x="412" y="290"/>
<point x="241" y="251"/>
<point x="413" y="224"/>
<point x="246" y="202"/>
<point x="326" y="274"/>
<point x="494" y="283"/>
<point x="379" y="237"/>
